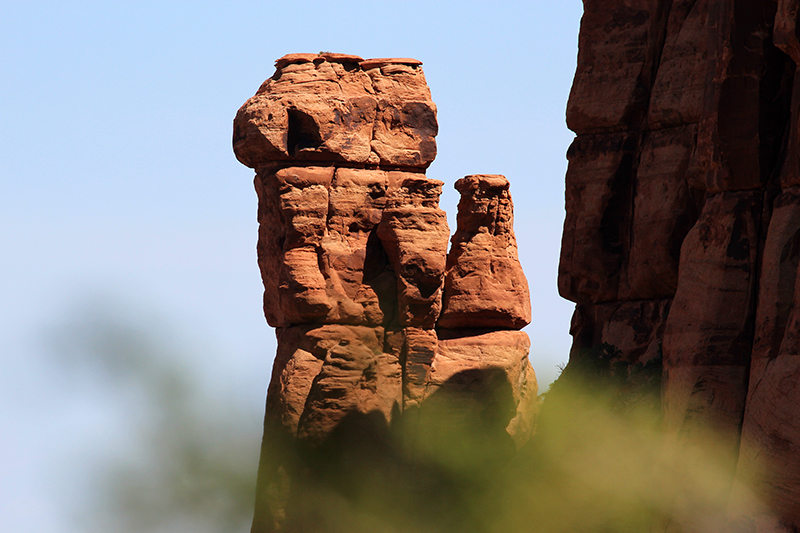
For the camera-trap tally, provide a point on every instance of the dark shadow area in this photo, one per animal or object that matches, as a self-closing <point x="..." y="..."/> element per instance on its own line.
<point x="599" y="462"/>
<point x="303" y="132"/>
<point x="431" y="469"/>
<point x="603" y="372"/>
<point x="378" y="274"/>
<point x="616" y="220"/>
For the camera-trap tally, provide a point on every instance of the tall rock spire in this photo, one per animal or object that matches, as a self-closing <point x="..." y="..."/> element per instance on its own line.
<point x="352" y="249"/>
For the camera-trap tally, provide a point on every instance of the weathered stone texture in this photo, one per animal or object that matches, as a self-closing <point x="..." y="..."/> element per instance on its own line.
<point x="378" y="326"/>
<point x="591" y="247"/>
<point x="414" y="234"/>
<point x="682" y="222"/>
<point x="323" y="373"/>
<point x="664" y="209"/>
<point x="636" y="327"/>
<point x="485" y="285"/>
<point x="612" y="56"/>
<point x="335" y="107"/>
<point x="679" y="85"/>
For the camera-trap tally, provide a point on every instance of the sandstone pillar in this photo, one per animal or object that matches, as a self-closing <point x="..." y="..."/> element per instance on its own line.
<point x="352" y="249"/>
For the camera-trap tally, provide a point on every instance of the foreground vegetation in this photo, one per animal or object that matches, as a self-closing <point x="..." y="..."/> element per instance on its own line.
<point x="599" y="460"/>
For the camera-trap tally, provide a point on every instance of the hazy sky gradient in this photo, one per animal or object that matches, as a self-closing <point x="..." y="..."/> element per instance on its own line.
<point x="120" y="191"/>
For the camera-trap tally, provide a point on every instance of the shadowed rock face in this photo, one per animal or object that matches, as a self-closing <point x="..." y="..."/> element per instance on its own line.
<point x="378" y="327"/>
<point x="681" y="233"/>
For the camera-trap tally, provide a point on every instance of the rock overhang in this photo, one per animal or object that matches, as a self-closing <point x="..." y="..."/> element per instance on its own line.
<point x="339" y="108"/>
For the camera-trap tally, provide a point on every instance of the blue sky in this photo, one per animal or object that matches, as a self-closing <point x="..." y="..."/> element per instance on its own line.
<point x="119" y="188"/>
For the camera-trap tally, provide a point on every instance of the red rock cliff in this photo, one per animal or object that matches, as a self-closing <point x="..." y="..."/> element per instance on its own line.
<point x="374" y="319"/>
<point x="683" y="220"/>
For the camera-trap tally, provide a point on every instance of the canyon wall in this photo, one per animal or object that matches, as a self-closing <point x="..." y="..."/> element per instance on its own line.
<point x="682" y="232"/>
<point x="376" y="322"/>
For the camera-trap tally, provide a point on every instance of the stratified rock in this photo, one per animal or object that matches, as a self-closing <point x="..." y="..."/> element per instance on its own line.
<point x="293" y="205"/>
<point x="777" y="281"/>
<point x="321" y="376"/>
<point x="635" y="328"/>
<point x="419" y="351"/>
<point x="680" y="83"/>
<point x="315" y="225"/>
<point x="324" y="259"/>
<point x="405" y="124"/>
<point x="493" y="362"/>
<point x="770" y="442"/>
<point x="769" y="457"/>
<point x="664" y="210"/>
<point x="615" y="55"/>
<point x="596" y="227"/>
<point x="356" y="377"/>
<point x="707" y="342"/>
<point x="352" y="249"/>
<point x="484" y="285"/>
<point x="742" y="112"/>
<point x="323" y="373"/>
<point x="629" y="207"/>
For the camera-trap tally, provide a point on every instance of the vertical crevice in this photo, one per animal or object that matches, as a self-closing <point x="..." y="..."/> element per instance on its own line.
<point x="787" y="276"/>
<point x="635" y="116"/>
<point x="775" y="93"/>
<point x="615" y="224"/>
<point x="380" y="276"/>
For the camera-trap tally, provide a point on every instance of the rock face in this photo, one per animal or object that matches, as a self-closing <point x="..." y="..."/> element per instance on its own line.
<point x="683" y="219"/>
<point x="375" y="321"/>
<point x="339" y="108"/>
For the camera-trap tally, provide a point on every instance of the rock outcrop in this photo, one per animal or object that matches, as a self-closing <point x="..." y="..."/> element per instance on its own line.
<point x="484" y="285"/>
<point x="682" y="225"/>
<point x="375" y="321"/>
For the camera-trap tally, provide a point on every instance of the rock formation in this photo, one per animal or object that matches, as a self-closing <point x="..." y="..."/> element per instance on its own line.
<point x="683" y="220"/>
<point x="374" y="319"/>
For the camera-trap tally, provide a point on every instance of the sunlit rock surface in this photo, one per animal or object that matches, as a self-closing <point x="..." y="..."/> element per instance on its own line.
<point x="379" y="329"/>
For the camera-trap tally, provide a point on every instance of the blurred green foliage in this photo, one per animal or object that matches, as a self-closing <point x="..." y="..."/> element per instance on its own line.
<point x="189" y="463"/>
<point x="599" y="461"/>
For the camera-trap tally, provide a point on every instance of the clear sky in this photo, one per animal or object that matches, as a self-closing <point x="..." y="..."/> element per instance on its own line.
<point x="120" y="194"/>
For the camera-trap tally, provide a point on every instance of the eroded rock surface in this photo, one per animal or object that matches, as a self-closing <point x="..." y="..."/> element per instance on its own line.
<point x="682" y="225"/>
<point x="485" y="285"/>
<point x="337" y="107"/>
<point x="378" y="327"/>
